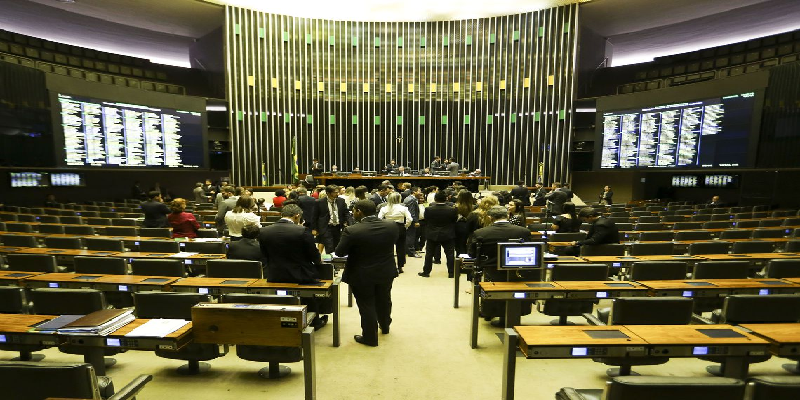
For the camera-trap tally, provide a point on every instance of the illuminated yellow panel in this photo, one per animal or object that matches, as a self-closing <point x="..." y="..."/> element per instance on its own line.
<point x="388" y="88"/>
<point x="456" y="87"/>
<point x="343" y="87"/>
<point x="433" y="87"/>
<point x="366" y="87"/>
<point x="551" y="80"/>
<point x="502" y="84"/>
<point x="274" y="82"/>
<point x="320" y="86"/>
<point x="410" y="88"/>
<point x="478" y="86"/>
<point x="526" y="82"/>
<point x="298" y="85"/>
<point x="251" y="80"/>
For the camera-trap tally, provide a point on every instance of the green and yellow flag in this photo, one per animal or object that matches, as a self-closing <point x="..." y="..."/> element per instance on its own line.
<point x="295" y="176"/>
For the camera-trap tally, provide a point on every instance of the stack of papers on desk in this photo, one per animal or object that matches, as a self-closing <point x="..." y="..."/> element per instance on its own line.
<point x="99" y="323"/>
<point x="184" y="254"/>
<point x="53" y="325"/>
<point x="158" y="328"/>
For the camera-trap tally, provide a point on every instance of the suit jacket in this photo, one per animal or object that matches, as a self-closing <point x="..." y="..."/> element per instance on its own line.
<point x="435" y="165"/>
<point x="223" y="208"/>
<point x="607" y="197"/>
<point x="155" y="214"/>
<point x="557" y="198"/>
<point x="369" y="247"/>
<point x="413" y="207"/>
<point x="377" y="199"/>
<point x="390" y="168"/>
<point x="453" y="168"/>
<point x="323" y="214"/>
<point x="489" y="237"/>
<point x="246" y="249"/>
<point x="316" y="168"/>
<point x="602" y="231"/>
<point x="309" y="206"/>
<point x="440" y="220"/>
<point x="523" y="194"/>
<point x="290" y="253"/>
<point x="567" y="191"/>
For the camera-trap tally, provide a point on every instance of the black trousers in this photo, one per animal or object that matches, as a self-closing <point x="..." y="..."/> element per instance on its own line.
<point x="375" y="306"/>
<point x="400" y="247"/>
<point x="433" y="251"/>
<point x="330" y="238"/>
<point x="411" y="239"/>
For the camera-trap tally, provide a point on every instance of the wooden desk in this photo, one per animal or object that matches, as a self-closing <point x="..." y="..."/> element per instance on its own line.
<point x="471" y="182"/>
<point x="753" y="257"/>
<point x="195" y="259"/>
<point x="784" y="339"/>
<point x="602" y="289"/>
<point x="68" y="253"/>
<point x="719" y="287"/>
<point x="10" y="249"/>
<point x="65" y="280"/>
<point x="16" y="329"/>
<point x="133" y="283"/>
<point x="212" y="286"/>
<point x="626" y="261"/>
<point x="15" y="278"/>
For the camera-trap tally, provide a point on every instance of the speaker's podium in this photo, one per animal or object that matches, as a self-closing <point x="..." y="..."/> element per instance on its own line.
<point x="269" y="325"/>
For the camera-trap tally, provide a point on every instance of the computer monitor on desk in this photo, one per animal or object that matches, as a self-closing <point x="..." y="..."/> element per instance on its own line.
<point x="519" y="256"/>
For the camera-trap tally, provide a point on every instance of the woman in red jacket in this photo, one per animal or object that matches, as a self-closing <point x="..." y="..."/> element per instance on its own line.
<point x="183" y="223"/>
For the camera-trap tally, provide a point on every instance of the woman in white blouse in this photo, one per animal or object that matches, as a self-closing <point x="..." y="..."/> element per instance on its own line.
<point x="397" y="212"/>
<point x="240" y="216"/>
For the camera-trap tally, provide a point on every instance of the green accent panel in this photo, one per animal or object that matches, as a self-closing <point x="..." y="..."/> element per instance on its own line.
<point x="285" y="36"/>
<point x="513" y="117"/>
<point x="492" y="38"/>
<point x="308" y="38"/>
<point x="261" y="32"/>
<point x="422" y="41"/>
<point x="287" y="118"/>
<point x="541" y="31"/>
<point x="562" y="114"/>
<point x="309" y="119"/>
<point x="466" y="120"/>
<point x="516" y="35"/>
<point x="263" y="117"/>
<point x="399" y="41"/>
<point x="377" y="41"/>
<point x="444" y="119"/>
<point x="237" y="29"/>
<point x="332" y="119"/>
<point x="537" y="116"/>
<point x="355" y="41"/>
<point x="239" y="115"/>
<point x="489" y="119"/>
<point x="422" y="120"/>
<point x="377" y="120"/>
<point x="331" y="40"/>
<point x="468" y="40"/>
<point x="446" y="40"/>
<point x="355" y="119"/>
<point x="566" y="27"/>
<point x="399" y="120"/>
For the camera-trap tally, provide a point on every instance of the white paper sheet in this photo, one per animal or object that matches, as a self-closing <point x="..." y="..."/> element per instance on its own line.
<point x="158" y="328"/>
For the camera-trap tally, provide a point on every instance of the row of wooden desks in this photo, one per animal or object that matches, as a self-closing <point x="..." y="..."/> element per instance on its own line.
<point x="189" y="258"/>
<point x="731" y="344"/>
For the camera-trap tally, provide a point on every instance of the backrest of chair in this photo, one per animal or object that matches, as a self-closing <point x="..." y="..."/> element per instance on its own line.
<point x="768" y="233"/>
<point x="671" y="388"/>
<point x="579" y="272"/>
<point x="67" y="301"/>
<point x="32" y="262"/>
<point x="750" y="223"/>
<point x="721" y="270"/>
<point x="155" y="232"/>
<point x="159" y="246"/>
<point x="656" y="236"/>
<point x="658" y="270"/>
<point x="709" y="248"/>
<point x="736" y="234"/>
<point x="651" y="311"/>
<point x="49" y="219"/>
<point x="233" y="269"/>
<point x="649" y="227"/>
<point x="79" y="230"/>
<point x="773" y="388"/>
<point x="687" y="225"/>
<point x="12" y="300"/>
<point x="753" y="247"/>
<point x="649" y="219"/>
<point x="19" y="240"/>
<point x="158" y="267"/>
<point x="27" y="380"/>
<point x="26" y="218"/>
<point x="63" y="242"/>
<point x="717" y="224"/>
<point x="792" y="221"/>
<point x="102" y="244"/>
<point x="567" y="237"/>
<point x="673" y="218"/>
<point x="174" y="305"/>
<point x="693" y="235"/>
<point x="624" y="226"/>
<point x="205" y="247"/>
<point x="121" y="231"/>
<point x="101" y="265"/>
<point x="18" y="227"/>
<point x="207" y="233"/>
<point x="770" y="222"/>
<point x="742" y="309"/>
<point x="8" y="217"/>
<point x="603" y="250"/>
<point x="259" y="299"/>
<point x="783" y="268"/>
<point x="49" y="228"/>
<point x="71" y="219"/>
<point x="123" y="222"/>
<point x="701" y="217"/>
<point x="652" y="249"/>
<point x="98" y="221"/>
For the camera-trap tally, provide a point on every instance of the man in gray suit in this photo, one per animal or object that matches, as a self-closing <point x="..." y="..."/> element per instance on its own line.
<point x="453" y="167"/>
<point x="230" y="197"/>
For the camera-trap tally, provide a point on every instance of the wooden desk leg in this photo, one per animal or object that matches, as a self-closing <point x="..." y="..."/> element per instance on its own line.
<point x="510" y="341"/>
<point x="456" y="276"/>
<point x="96" y="357"/>
<point x="513" y="313"/>
<point x="336" y="305"/>
<point x="473" y="329"/>
<point x="309" y="365"/>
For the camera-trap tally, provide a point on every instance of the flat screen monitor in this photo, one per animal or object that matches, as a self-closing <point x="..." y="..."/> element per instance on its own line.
<point x="103" y="133"/>
<point x="684" y="181"/>
<point x="720" y="181"/>
<point x="520" y="255"/>
<point x="66" y="179"/>
<point x="714" y="132"/>
<point x="27" y="179"/>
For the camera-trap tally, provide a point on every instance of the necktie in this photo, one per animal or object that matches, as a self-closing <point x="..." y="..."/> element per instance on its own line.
<point x="334" y="214"/>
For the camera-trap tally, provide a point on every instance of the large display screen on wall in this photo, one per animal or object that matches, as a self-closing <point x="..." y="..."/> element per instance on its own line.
<point x="99" y="133"/>
<point x="708" y="133"/>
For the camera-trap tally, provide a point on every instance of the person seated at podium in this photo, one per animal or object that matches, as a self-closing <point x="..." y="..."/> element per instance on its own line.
<point x="291" y="255"/>
<point x="426" y="172"/>
<point x="390" y="168"/>
<point x="477" y="172"/>
<point x="334" y="169"/>
<point x="500" y="230"/>
<point x="401" y="170"/>
<point x="183" y="223"/>
<point x="248" y="247"/>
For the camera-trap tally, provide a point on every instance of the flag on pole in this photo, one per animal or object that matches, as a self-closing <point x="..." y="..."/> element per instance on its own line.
<point x="295" y="176"/>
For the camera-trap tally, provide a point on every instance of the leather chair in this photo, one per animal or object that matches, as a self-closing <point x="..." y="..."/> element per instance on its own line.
<point x="753" y="247"/>
<point x="123" y="222"/>
<point x="693" y="235"/>
<point x="563" y="308"/>
<point x="176" y="305"/>
<point x="89" y="213"/>
<point x="19" y="240"/>
<point x="13" y="300"/>
<point x="649" y="227"/>
<point x="48" y="219"/>
<point x="158" y="246"/>
<point x="641" y="213"/>
<point x="751" y="223"/>
<point x="656" y="236"/>
<point x="720" y="210"/>
<point x="155" y="232"/>
<point x="603" y="250"/>
<point x="85" y="230"/>
<point x="773" y="388"/>
<point x="618" y="220"/>
<point x="652" y="249"/>
<point x="701" y="217"/>
<point x="721" y="217"/>
<point x="660" y="388"/>
<point x="783" y="269"/>
<point x="158" y="267"/>
<point x="717" y="225"/>
<point x="2" y="226"/>
<point x="792" y="221"/>
<point x="207" y="233"/>
<point x="768" y="223"/>
<point x="768" y="233"/>
<point x="71" y="219"/>
<point x="619" y="214"/>
<point x="274" y="355"/>
<point x="709" y="248"/>
<point x="19" y="227"/>
<point x="35" y="381"/>
<point x="32" y="262"/>
<point x="234" y="269"/>
<point x="121" y="231"/>
<point x="658" y="270"/>
<point x="736" y="234"/>
<point x="63" y="243"/>
<point x="674" y="218"/>
<point x="102" y="244"/>
<point x="650" y="219"/>
<point x="641" y="311"/>
<point x="205" y="247"/>
<point x="26" y="218"/>
<point x="101" y="265"/>
<point x="687" y="225"/>
<point x="49" y="228"/>
<point x="98" y="221"/>
<point x="566" y="237"/>
<point x="743" y="215"/>
<point x="721" y="270"/>
<point x="8" y="217"/>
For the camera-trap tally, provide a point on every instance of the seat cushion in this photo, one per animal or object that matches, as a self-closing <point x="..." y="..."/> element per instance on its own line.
<point x="277" y="354"/>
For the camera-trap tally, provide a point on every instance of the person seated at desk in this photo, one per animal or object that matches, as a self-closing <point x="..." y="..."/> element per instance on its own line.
<point x="248" y="247"/>
<point x="477" y="172"/>
<point x="390" y="168"/>
<point x="51" y="201"/>
<point x="568" y="221"/>
<point x="291" y="255"/>
<point x="155" y="212"/>
<point x="500" y="230"/>
<point x="715" y="202"/>
<point x="516" y="212"/>
<point x="602" y="231"/>
<point x="241" y="214"/>
<point x="183" y="223"/>
<point x="334" y="169"/>
<point x="521" y="193"/>
<point x="280" y="197"/>
<point x="426" y="172"/>
<point x="401" y="170"/>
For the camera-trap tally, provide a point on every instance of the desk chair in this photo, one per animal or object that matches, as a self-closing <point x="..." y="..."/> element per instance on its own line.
<point x="687" y="225"/>
<point x="693" y="235"/>
<point x="121" y="231"/>
<point x="207" y="233"/>
<point x="2" y="226"/>
<point x="101" y="265"/>
<point x="19" y="227"/>
<point x="721" y="270"/>
<point x="743" y="215"/>
<point x="709" y="248"/>
<point x="14" y="301"/>
<point x="768" y="233"/>
<point x="539" y="227"/>
<point x="32" y="262"/>
<point x="792" y="246"/>
<point x="564" y="308"/>
<point x="98" y="221"/>
<point x="656" y="236"/>
<point x="155" y="232"/>
<point x="101" y="244"/>
<point x="750" y="223"/>
<point x="641" y="213"/>
<point x="109" y="214"/>
<point x="660" y="388"/>
<point x="8" y="217"/>
<point x="768" y="223"/>
<point x="274" y="355"/>
<point x="233" y="269"/>
<point x="641" y="311"/>
<point x="18" y="240"/>
<point x="701" y="217"/>
<point x="619" y="214"/>
<point x="625" y="226"/>
<point x="783" y="269"/>
<point x="123" y="222"/>
<point x="71" y="219"/>
<point x="26" y="218"/>
<point x="721" y="217"/>
<point x="717" y="224"/>
<point x="48" y="219"/>
<point x="179" y="306"/>
<point x="205" y="247"/>
<point x="652" y="249"/>
<point x="753" y="247"/>
<point x="755" y="309"/>
<point x="603" y="250"/>
<point x="35" y="381"/>
<point x="793" y="221"/>
<point x="158" y="267"/>
<point x="658" y="270"/>
<point x="79" y="230"/>
<point x="688" y="212"/>
<point x="159" y="246"/>
<point x="47" y="228"/>
<point x="650" y="219"/>
<point x="736" y="234"/>
<point x="773" y="388"/>
<point x="63" y="243"/>
<point x="649" y="227"/>
<point x="75" y="302"/>
<point x="618" y="220"/>
<point x="89" y="213"/>
<point x="674" y="218"/>
<point x="567" y="237"/>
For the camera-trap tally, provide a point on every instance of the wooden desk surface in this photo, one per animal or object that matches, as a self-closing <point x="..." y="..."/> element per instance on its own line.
<point x="179" y="334"/>
<point x="698" y="284"/>
<point x="65" y="277"/>
<point x="607" y="259"/>
<point x="778" y="333"/>
<point x="20" y="323"/>
<point x="751" y="283"/>
<point x="136" y="279"/>
<point x="690" y="335"/>
<point x="574" y="336"/>
<point x="793" y="280"/>
<point x="17" y="275"/>
<point x="140" y="254"/>
<point x="518" y="286"/>
<point x="600" y="285"/>
<point x="750" y="256"/>
<point x="214" y="282"/>
<point x="263" y="284"/>
<point x="68" y="252"/>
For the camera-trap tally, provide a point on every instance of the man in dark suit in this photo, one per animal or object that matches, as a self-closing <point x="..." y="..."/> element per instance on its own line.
<point x="498" y="232"/>
<point x="331" y="216"/>
<point x="436" y="164"/>
<point x="602" y="230"/>
<point x="412" y="204"/>
<point x="370" y="268"/>
<point x="308" y="205"/>
<point x="556" y="199"/>
<point x="391" y="167"/>
<point x="538" y="195"/>
<point x="606" y="196"/>
<point x="155" y="212"/>
<point x="565" y="188"/>
<point x="291" y="255"/>
<point x="316" y="167"/>
<point x="230" y="197"/>
<point x="453" y="168"/>
<point x="248" y="247"/>
<point x="440" y="220"/>
<point x="521" y="193"/>
<point x="380" y="196"/>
